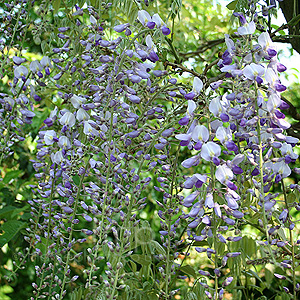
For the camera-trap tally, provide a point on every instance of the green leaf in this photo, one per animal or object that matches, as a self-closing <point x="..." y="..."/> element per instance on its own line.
<point x="56" y="5"/>
<point x="191" y="296"/>
<point x="252" y="274"/>
<point x="282" y="234"/>
<point x="200" y="244"/>
<point x="76" y="179"/>
<point x="152" y="296"/>
<point x="10" y="229"/>
<point x="248" y="246"/>
<point x="269" y="276"/>
<point x="141" y="259"/>
<point x="133" y="266"/>
<point x="291" y="198"/>
<point x="11" y="175"/>
<point x="285" y="296"/>
<point x="188" y="270"/>
<point x="146" y="286"/>
<point x="232" y="5"/>
<point x="294" y="21"/>
<point x="158" y="247"/>
<point x="7" y="210"/>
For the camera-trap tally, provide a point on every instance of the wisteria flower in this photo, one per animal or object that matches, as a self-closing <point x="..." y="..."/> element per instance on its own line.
<point x="266" y="43"/>
<point x="287" y="149"/>
<point x="145" y="19"/>
<point x="232" y="197"/>
<point x="21" y="72"/>
<point x="82" y="115"/>
<point x="49" y="137"/>
<point x="200" y="135"/>
<point x="197" y="87"/>
<point x="211" y="151"/>
<point x="215" y="107"/>
<point x="248" y="28"/>
<point x="67" y="119"/>
<point x="282" y="169"/>
<point x="254" y="71"/>
<point x="89" y="129"/>
<point x="189" y="114"/>
<point x="64" y="142"/>
<point x="224" y="174"/>
<point x="77" y="101"/>
<point x="57" y="157"/>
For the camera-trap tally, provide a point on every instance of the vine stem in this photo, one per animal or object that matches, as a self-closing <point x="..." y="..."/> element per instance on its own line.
<point x="168" y="271"/>
<point x="72" y="226"/>
<point x="261" y="163"/>
<point x="48" y="233"/>
<point x="212" y="167"/>
<point x="291" y="241"/>
<point x="12" y="112"/>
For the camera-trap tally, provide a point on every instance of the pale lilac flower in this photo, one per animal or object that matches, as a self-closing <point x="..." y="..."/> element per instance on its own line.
<point x="188" y="201"/>
<point x="287" y="149"/>
<point x="197" y="87"/>
<point x="82" y="115"/>
<point x="273" y="80"/>
<point x="282" y="169"/>
<point x="192" y="161"/>
<point x="18" y="60"/>
<point x="253" y="71"/>
<point x="232" y="197"/>
<point x="232" y="69"/>
<point x="35" y="66"/>
<point x="184" y="138"/>
<point x="209" y="201"/>
<point x="215" y="107"/>
<point x="46" y="62"/>
<point x="158" y="21"/>
<point x="266" y="43"/>
<point x="160" y="24"/>
<point x="67" y="119"/>
<point x="89" y="129"/>
<point x="195" y="210"/>
<point x="224" y="134"/>
<point x="49" y="137"/>
<point x="200" y="179"/>
<point x="283" y="216"/>
<point x="64" y="142"/>
<point x="145" y="18"/>
<point x="121" y="27"/>
<point x="224" y="173"/>
<point x="20" y="72"/>
<point x="189" y="114"/>
<point x="93" y="20"/>
<point x="57" y="157"/>
<point x="273" y="102"/>
<point x="230" y="44"/>
<point x="210" y="150"/>
<point x="77" y="101"/>
<point x="217" y="210"/>
<point x="248" y="28"/>
<point x="200" y="134"/>
<point x="149" y="42"/>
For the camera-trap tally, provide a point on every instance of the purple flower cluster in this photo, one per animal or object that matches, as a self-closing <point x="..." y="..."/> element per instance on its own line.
<point x="243" y="142"/>
<point x="93" y="149"/>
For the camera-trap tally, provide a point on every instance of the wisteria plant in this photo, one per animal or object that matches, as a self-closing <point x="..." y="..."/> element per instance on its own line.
<point x="149" y="183"/>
